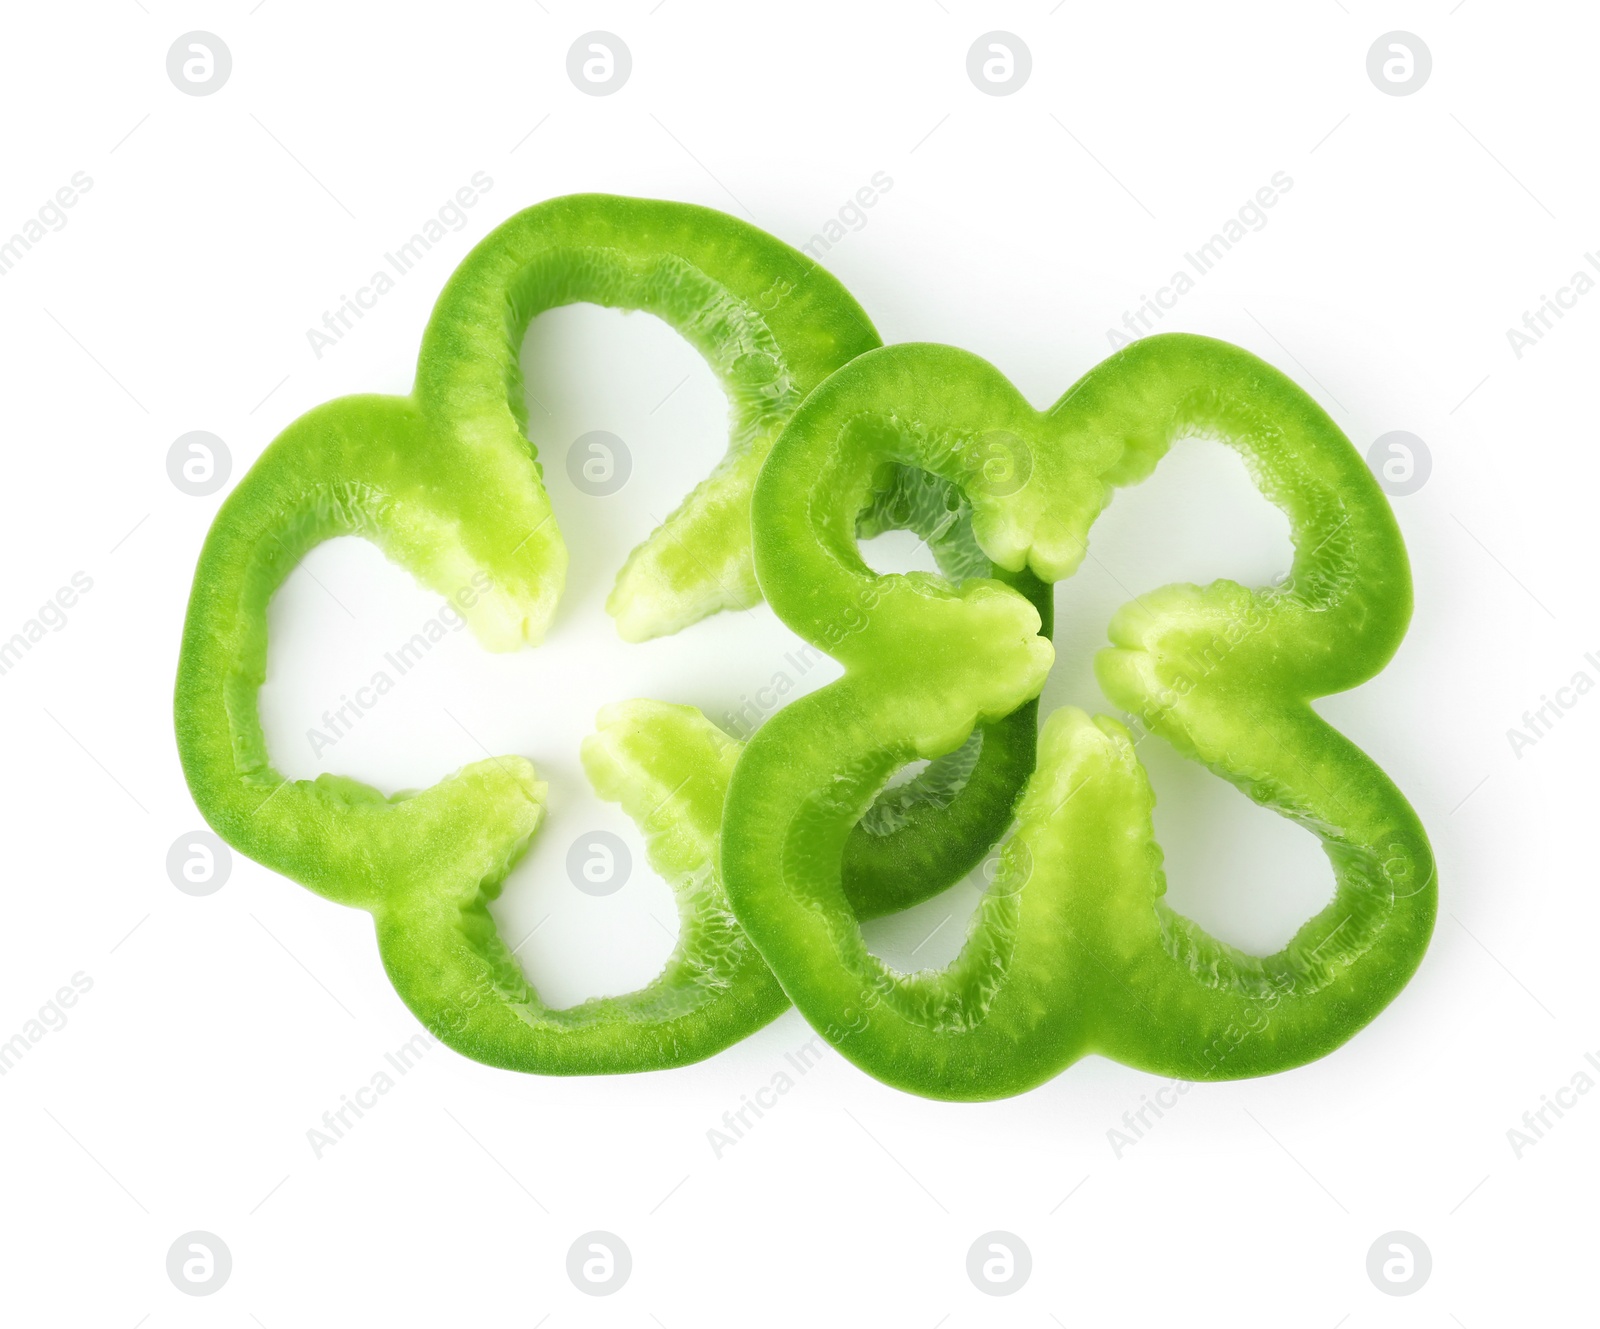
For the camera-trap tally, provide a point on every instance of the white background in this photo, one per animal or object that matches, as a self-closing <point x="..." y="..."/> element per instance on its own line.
<point x="218" y="1030"/>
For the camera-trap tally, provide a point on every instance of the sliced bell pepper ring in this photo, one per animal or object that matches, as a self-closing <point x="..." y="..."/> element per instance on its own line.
<point x="668" y="767"/>
<point x="445" y="482"/>
<point x="1073" y="949"/>
<point x="770" y="323"/>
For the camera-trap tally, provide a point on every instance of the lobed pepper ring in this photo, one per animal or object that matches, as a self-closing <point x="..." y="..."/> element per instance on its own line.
<point x="447" y="484"/>
<point x="1072" y="949"/>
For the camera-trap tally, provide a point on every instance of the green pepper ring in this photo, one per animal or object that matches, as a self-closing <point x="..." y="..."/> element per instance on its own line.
<point x="446" y="484"/>
<point x="1073" y="950"/>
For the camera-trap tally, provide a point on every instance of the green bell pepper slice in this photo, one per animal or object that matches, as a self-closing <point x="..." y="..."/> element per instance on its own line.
<point x="1073" y="950"/>
<point x="668" y="766"/>
<point x="446" y="483"/>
